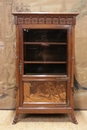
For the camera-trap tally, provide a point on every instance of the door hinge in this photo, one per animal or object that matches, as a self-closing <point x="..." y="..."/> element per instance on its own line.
<point x="20" y="66"/>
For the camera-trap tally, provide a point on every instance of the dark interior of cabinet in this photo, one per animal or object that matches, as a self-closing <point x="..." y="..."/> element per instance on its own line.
<point x="45" y="35"/>
<point x="45" y="51"/>
<point x="47" y="69"/>
<point x="38" y="52"/>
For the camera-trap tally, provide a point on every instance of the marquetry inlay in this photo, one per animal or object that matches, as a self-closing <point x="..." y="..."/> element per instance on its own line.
<point x="45" y="20"/>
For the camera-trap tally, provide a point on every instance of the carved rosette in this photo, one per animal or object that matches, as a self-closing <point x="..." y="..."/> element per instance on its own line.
<point x="45" y="20"/>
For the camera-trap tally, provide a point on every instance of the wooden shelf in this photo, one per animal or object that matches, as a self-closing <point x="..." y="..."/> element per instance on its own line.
<point x="50" y="43"/>
<point x="45" y="62"/>
<point x="39" y="74"/>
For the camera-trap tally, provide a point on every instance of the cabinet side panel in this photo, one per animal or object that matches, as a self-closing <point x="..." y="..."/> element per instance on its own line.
<point x="17" y="66"/>
<point x="21" y="60"/>
<point x="72" y="65"/>
<point x="69" y="53"/>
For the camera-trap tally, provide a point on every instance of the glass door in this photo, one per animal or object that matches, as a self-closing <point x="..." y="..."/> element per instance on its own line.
<point x="45" y="63"/>
<point x="45" y="51"/>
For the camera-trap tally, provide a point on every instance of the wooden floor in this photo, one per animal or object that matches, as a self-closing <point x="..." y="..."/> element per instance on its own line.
<point x="42" y="122"/>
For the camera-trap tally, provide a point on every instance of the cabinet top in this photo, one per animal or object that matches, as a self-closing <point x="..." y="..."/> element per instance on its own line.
<point x="47" y="13"/>
<point x="52" y="18"/>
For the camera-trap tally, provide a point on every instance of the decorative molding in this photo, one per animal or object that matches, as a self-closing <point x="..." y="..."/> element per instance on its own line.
<point x="44" y="20"/>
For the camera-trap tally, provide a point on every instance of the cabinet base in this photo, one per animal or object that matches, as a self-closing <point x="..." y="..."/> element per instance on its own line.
<point x="74" y="118"/>
<point x="55" y="111"/>
<point x="15" y="119"/>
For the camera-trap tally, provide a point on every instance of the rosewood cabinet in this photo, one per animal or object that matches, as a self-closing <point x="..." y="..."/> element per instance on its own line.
<point x="45" y="63"/>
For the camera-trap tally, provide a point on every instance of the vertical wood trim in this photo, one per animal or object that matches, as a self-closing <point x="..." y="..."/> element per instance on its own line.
<point x="22" y="50"/>
<point x="22" y="53"/>
<point x="74" y="20"/>
<point x="72" y="65"/>
<point x="69" y="61"/>
<point x="73" y="56"/>
<point x="17" y="66"/>
<point x="21" y="58"/>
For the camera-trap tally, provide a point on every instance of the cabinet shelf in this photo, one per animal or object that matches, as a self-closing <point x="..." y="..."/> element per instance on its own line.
<point x="44" y="62"/>
<point x="44" y="77"/>
<point x="39" y="74"/>
<point x="49" y="43"/>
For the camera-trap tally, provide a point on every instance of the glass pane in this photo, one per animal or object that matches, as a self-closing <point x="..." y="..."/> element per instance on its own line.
<point x="45" y="35"/>
<point x="42" y="69"/>
<point x="45" y="53"/>
<point x="45" y="92"/>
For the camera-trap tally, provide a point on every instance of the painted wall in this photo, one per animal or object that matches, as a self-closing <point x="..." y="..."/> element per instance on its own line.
<point x="7" y="45"/>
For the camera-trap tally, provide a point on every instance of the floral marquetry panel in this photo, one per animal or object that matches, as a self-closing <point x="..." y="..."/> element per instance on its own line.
<point x="45" y="92"/>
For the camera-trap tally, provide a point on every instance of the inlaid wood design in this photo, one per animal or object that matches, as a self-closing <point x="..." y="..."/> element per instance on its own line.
<point x="49" y="20"/>
<point x="41" y="20"/>
<point x="44" y="91"/>
<point x="45" y="20"/>
<point x="34" y="20"/>
<point x="55" y="20"/>
<point x="27" y="20"/>
<point x="69" y="21"/>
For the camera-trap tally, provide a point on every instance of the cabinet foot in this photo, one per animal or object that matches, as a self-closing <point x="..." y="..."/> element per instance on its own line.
<point x="15" y="119"/>
<point x="74" y="118"/>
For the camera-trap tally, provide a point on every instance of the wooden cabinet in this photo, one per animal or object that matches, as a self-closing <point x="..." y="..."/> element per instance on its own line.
<point x="45" y="63"/>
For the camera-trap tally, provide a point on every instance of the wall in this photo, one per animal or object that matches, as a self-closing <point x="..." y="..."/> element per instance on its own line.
<point x="7" y="45"/>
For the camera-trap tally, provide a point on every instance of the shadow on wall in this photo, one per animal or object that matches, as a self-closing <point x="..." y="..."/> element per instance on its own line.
<point x="78" y="86"/>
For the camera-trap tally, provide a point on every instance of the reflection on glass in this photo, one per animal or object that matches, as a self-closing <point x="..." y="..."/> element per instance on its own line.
<point x="45" y="53"/>
<point x="45" y="35"/>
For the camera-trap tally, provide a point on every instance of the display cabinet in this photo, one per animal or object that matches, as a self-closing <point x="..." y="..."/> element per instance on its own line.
<point x="45" y="63"/>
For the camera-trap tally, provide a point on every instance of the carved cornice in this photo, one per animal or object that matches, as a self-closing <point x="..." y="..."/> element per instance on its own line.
<point x="44" y="20"/>
<point x="64" y="18"/>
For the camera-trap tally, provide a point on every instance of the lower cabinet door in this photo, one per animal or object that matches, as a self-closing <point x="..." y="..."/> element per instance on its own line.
<point x="44" y="92"/>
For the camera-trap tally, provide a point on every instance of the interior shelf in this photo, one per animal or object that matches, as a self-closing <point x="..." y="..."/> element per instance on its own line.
<point x="45" y="74"/>
<point x="50" y="43"/>
<point x="44" y="62"/>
